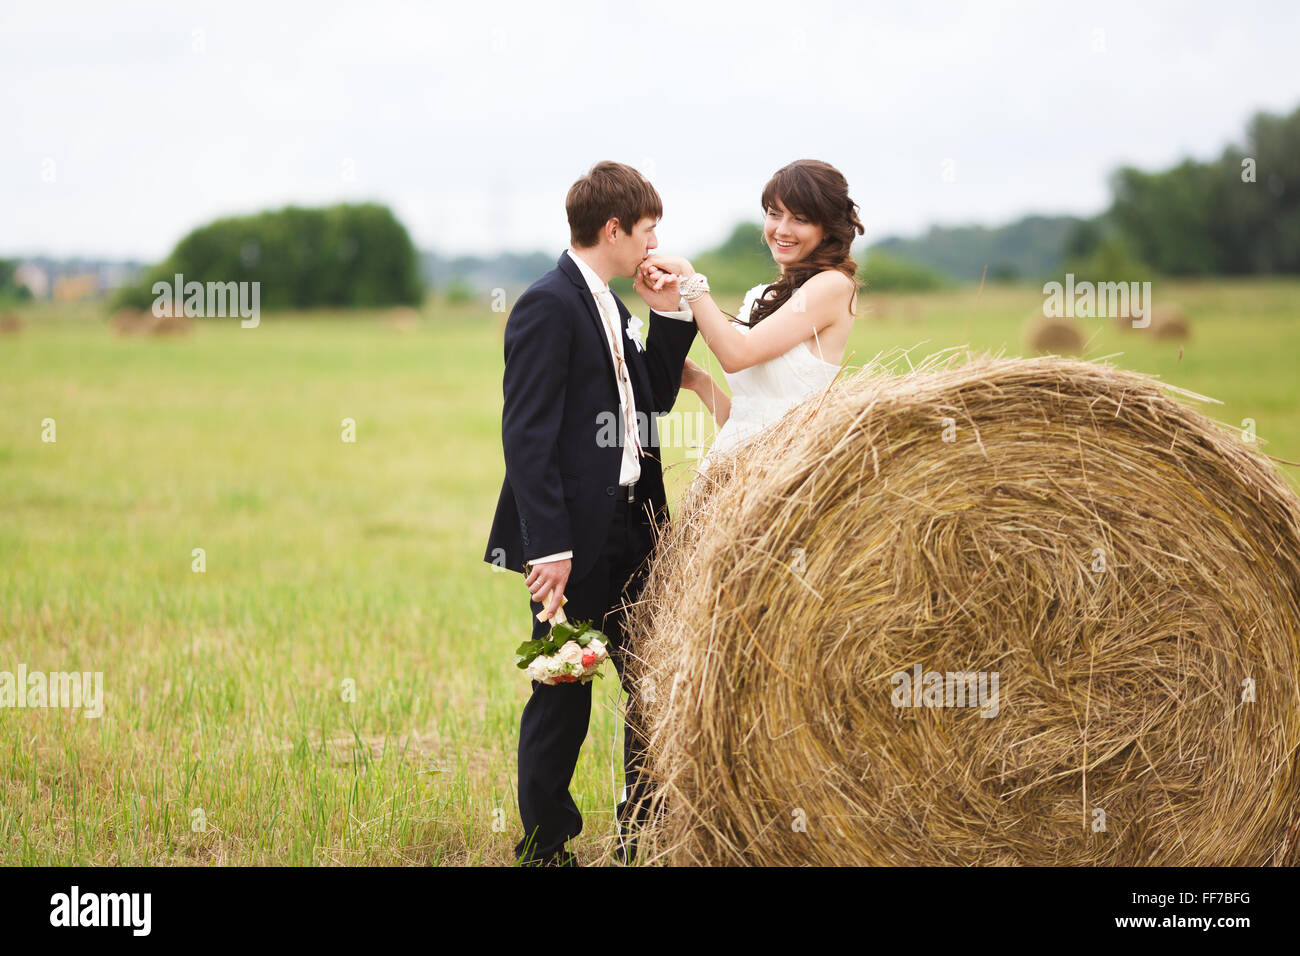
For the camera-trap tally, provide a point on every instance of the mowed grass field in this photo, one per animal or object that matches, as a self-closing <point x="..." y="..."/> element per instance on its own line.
<point x="336" y="687"/>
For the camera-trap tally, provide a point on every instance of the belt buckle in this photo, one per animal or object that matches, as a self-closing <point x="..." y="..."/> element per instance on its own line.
<point x="631" y="493"/>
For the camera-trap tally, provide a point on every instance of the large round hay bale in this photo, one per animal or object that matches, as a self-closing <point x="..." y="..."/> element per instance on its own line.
<point x="1170" y="323"/>
<point x="1126" y="569"/>
<point x="1045" y="334"/>
<point x="10" y="324"/>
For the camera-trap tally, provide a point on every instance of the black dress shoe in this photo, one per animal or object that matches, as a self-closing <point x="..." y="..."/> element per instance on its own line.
<point x="561" y="858"/>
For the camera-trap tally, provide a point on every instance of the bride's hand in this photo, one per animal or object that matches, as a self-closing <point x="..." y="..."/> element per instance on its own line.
<point x="671" y="264"/>
<point x="692" y="376"/>
<point x="657" y="278"/>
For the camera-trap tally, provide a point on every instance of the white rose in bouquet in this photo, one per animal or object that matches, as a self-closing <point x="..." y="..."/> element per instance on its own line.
<point x="570" y="653"/>
<point x="539" y="669"/>
<point x="571" y="662"/>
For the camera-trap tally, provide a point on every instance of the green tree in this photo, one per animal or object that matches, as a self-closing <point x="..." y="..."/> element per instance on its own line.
<point x="741" y="262"/>
<point x="341" y="256"/>
<point x="10" y="289"/>
<point x="883" y="272"/>
<point x="1237" y="215"/>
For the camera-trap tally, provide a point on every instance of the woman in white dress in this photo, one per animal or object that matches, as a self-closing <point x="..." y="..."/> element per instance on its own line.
<point x="787" y="341"/>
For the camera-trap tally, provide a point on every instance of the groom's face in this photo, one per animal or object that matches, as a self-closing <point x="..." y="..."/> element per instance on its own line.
<point x="631" y="247"/>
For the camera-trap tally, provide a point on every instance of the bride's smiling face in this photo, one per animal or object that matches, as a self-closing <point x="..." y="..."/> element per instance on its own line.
<point x="791" y="237"/>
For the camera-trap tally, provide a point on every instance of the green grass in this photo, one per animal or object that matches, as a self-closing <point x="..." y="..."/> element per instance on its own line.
<point x="329" y="562"/>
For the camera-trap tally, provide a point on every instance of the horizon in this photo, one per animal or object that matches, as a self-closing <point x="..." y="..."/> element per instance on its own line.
<point x="860" y="245"/>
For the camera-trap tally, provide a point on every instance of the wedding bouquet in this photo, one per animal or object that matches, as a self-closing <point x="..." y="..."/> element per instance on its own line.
<point x="569" y="654"/>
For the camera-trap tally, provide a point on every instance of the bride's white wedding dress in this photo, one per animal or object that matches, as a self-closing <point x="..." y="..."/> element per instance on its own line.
<point x="762" y="393"/>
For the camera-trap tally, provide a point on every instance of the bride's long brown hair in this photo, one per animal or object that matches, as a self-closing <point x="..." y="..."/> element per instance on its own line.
<point x="820" y="193"/>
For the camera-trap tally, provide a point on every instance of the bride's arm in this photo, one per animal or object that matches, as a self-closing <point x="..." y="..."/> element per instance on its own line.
<point x="711" y="394"/>
<point x="818" y="304"/>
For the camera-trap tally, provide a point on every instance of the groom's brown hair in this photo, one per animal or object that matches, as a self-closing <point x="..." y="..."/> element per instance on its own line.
<point x="609" y="191"/>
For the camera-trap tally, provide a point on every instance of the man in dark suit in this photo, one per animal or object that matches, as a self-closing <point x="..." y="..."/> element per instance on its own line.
<point x="584" y="488"/>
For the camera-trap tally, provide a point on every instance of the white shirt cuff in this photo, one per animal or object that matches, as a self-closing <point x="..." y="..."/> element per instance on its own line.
<point x="684" y="313"/>
<point x="558" y="556"/>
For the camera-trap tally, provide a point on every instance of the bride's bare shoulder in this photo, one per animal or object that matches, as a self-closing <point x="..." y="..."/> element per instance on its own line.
<point x="833" y="286"/>
<point x="834" y="280"/>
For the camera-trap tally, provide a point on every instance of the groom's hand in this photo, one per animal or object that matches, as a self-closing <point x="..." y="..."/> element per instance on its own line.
<point x="658" y="289"/>
<point x="657" y="266"/>
<point x="552" y="576"/>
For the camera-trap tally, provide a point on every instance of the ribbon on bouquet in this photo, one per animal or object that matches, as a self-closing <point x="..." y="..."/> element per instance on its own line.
<point x="559" y="612"/>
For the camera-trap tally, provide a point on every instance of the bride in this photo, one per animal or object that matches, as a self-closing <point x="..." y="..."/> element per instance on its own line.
<point x="788" y="339"/>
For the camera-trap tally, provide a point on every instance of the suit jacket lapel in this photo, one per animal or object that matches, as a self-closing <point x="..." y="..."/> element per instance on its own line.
<point x="570" y="269"/>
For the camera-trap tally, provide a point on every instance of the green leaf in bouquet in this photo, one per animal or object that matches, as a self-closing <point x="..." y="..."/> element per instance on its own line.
<point x="593" y="634"/>
<point x="526" y="651"/>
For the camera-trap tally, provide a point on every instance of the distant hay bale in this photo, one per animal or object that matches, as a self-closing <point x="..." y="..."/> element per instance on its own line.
<point x="10" y="324"/>
<point x="130" y="321"/>
<point x="1124" y="319"/>
<point x="1169" y="323"/>
<point x="1128" y="569"/>
<point x="876" y="307"/>
<point x="403" y="318"/>
<point x="1056" y="335"/>
<point x="171" y="322"/>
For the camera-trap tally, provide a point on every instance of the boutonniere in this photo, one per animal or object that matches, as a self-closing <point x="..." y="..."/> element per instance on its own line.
<point x="634" y="325"/>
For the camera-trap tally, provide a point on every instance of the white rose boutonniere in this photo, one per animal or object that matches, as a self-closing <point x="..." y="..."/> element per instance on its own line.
<point x="634" y="326"/>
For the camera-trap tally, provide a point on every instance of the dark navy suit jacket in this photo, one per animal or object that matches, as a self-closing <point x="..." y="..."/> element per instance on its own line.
<point x="562" y="470"/>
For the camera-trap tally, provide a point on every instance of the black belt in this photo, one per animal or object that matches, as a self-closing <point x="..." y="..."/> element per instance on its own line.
<point x="627" y="493"/>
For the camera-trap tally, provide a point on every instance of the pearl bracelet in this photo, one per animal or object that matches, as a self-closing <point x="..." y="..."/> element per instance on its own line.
<point x="694" y="287"/>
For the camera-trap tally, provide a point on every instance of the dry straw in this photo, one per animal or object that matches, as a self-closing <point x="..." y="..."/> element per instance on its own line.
<point x="1129" y="568"/>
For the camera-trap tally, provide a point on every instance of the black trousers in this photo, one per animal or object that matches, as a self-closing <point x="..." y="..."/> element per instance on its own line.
<point x="555" y="719"/>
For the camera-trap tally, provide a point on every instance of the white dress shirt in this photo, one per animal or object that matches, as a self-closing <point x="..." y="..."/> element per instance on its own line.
<point x="607" y="308"/>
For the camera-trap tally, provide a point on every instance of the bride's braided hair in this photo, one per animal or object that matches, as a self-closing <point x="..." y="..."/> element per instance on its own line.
<point x="818" y="192"/>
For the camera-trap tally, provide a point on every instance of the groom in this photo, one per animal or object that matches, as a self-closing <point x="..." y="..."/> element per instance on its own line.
<point x="577" y="510"/>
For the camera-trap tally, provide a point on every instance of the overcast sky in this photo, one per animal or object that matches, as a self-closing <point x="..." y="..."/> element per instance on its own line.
<point x="128" y="124"/>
